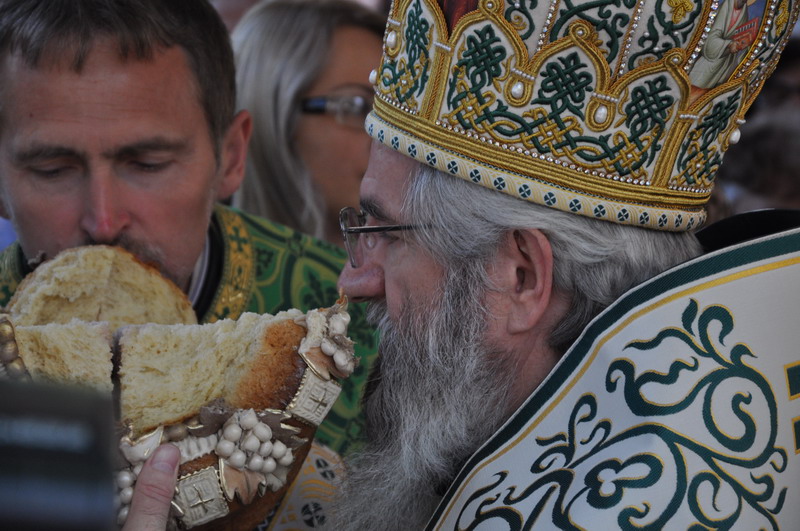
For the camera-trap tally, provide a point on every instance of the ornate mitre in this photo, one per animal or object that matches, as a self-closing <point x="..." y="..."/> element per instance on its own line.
<point x="616" y="109"/>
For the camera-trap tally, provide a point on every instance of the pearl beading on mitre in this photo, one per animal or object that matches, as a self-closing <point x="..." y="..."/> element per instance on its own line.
<point x="543" y="157"/>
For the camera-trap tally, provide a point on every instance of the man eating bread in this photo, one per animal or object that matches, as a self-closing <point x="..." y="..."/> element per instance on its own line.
<point x="118" y="127"/>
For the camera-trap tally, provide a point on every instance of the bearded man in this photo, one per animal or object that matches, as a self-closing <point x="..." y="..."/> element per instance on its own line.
<point x="507" y="279"/>
<point x="498" y="401"/>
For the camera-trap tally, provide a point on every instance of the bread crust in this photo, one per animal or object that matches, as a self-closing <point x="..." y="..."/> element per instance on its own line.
<point x="277" y="358"/>
<point x="249" y="363"/>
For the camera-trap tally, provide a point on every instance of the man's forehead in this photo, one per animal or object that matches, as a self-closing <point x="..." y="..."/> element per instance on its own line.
<point x="101" y="55"/>
<point x="45" y="101"/>
<point x="386" y="179"/>
<point x="103" y="66"/>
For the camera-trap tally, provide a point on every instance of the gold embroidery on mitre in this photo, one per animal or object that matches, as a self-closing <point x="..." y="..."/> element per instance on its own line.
<point x="551" y="106"/>
<point x="782" y="16"/>
<point x="680" y="8"/>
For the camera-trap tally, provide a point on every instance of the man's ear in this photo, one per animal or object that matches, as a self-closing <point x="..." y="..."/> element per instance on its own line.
<point x="233" y="154"/>
<point x="526" y="276"/>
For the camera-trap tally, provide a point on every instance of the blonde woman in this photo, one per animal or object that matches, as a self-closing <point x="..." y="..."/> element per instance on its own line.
<point x="303" y="73"/>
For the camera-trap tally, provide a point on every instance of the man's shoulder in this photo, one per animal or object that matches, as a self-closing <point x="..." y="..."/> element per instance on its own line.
<point x="692" y="371"/>
<point x="269" y="267"/>
<point x="265" y="233"/>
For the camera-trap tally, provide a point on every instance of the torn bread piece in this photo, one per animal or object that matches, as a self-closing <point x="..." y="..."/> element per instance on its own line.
<point x="98" y="283"/>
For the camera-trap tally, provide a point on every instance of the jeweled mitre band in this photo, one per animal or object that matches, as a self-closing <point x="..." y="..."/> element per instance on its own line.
<point x="617" y="110"/>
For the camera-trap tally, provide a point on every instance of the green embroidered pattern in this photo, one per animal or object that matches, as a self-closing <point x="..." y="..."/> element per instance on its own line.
<point x="608" y="18"/>
<point x="476" y="71"/>
<point x="565" y="85"/>
<point x="520" y="15"/>
<point x="594" y="462"/>
<point x="671" y="25"/>
<point x="407" y="77"/>
<point x="237" y="276"/>
<point x="700" y="154"/>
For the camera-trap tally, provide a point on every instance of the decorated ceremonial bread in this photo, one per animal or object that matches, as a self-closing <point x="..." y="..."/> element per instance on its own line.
<point x="240" y="398"/>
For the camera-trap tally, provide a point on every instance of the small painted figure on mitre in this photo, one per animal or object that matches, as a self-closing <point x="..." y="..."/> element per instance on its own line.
<point x="733" y="31"/>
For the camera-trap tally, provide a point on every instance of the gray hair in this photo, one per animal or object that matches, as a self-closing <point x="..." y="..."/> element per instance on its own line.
<point x="595" y="261"/>
<point x="281" y="47"/>
<point x="39" y="29"/>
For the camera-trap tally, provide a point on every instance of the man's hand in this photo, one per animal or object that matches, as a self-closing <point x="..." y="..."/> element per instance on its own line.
<point x="153" y="492"/>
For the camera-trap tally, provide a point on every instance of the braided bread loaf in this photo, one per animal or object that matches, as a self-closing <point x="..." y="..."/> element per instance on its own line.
<point x="240" y="398"/>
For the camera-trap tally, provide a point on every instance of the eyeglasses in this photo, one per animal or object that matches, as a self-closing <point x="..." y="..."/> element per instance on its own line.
<point x="353" y="226"/>
<point x="349" y="105"/>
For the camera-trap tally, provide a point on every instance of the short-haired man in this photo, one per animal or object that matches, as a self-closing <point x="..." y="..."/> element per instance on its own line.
<point x="495" y="404"/>
<point x="118" y="126"/>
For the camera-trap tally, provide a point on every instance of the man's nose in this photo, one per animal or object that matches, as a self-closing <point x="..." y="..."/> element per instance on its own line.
<point x="362" y="283"/>
<point x="104" y="214"/>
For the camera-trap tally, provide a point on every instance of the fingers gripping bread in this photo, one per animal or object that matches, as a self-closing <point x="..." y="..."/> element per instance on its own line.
<point x="240" y="398"/>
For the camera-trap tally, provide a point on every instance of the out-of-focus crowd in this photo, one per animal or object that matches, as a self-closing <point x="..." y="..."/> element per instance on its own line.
<point x="763" y="169"/>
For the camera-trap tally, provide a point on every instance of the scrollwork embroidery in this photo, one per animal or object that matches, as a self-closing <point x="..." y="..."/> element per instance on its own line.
<point x="592" y="464"/>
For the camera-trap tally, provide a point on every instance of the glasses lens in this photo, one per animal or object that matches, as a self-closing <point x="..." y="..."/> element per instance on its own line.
<point x="352" y="107"/>
<point x="349" y="218"/>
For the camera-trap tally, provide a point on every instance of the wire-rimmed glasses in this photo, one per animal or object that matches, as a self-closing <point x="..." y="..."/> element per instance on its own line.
<point x="352" y="223"/>
<point x="348" y="104"/>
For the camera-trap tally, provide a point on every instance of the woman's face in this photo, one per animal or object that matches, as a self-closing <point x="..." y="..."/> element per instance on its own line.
<point x="335" y="148"/>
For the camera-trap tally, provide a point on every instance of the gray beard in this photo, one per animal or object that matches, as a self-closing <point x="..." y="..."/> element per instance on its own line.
<point x="437" y="393"/>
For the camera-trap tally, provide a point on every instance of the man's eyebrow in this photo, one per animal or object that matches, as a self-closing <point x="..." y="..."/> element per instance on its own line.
<point x="42" y="152"/>
<point x="374" y="209"/>
<point x="157" y="144"/>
